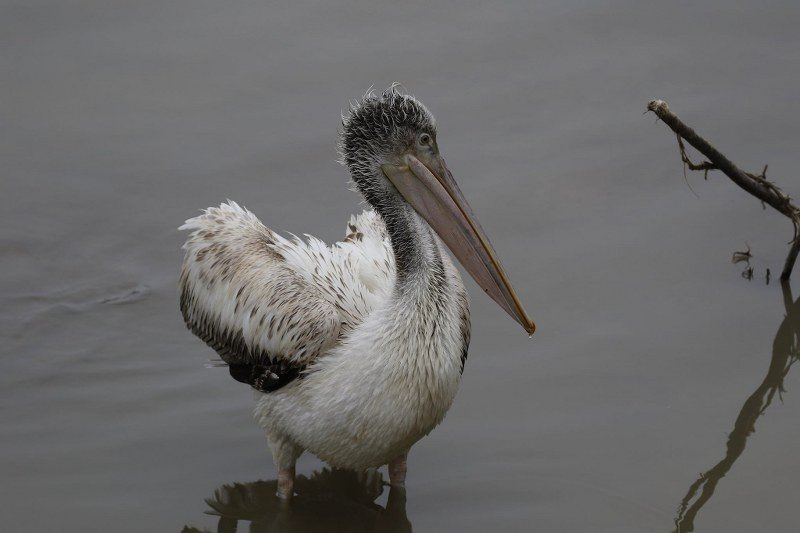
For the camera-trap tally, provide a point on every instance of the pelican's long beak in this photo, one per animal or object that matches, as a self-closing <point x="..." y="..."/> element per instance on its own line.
<point x="434" y="194"/>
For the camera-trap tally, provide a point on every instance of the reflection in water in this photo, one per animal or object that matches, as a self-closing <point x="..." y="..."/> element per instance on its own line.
<point x="330" y="500"/>
<point x="784" y="355"/>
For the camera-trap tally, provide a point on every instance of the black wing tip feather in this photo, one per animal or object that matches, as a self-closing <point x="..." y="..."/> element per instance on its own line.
<point x="263" y="378"/>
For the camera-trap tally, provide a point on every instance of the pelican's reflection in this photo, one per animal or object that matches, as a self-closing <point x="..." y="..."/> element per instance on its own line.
<point x="330" y="500"/>
<point x="784" y="355"/>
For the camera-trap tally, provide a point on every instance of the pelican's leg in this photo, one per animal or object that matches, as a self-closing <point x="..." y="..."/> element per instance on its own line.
<point x="285" y="483"/>
<point x="397" y="470"/>
<point x="284" y="453"/>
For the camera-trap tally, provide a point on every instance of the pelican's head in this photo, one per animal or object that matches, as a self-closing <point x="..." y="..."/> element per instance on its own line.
<point x="382" y="130"/>
<point x="388" y="143"/>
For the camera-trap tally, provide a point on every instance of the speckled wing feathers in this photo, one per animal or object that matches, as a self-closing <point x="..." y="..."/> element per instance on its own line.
<point x="271" y="306"/>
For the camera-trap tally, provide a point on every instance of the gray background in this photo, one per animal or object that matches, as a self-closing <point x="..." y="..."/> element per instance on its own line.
<point x="118" y="120"/>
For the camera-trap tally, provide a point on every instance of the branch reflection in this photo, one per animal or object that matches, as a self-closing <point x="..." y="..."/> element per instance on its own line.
<point x="784" y="355"/>
<point x="330" y="500"/>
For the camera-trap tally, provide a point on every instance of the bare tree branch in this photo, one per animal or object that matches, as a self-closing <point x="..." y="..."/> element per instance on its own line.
<point x="755" y="184"/>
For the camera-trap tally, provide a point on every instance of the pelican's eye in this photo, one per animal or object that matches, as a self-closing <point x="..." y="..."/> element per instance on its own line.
<point x="425" y="139"/>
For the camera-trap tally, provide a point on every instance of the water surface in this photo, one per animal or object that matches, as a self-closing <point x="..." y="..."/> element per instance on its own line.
<point x="658" y="392"/>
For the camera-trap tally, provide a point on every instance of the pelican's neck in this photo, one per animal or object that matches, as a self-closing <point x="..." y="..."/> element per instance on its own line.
<point x="416" y="250"/>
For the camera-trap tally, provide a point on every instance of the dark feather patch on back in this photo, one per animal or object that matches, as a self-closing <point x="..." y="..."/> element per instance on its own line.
<point x="465" y="329"/>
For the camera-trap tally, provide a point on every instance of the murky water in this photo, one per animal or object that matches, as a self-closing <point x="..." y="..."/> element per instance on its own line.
<point x="658" y="393"/>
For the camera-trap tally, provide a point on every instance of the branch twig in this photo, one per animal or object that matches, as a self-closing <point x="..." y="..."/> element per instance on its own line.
<point x="755" y="184"/>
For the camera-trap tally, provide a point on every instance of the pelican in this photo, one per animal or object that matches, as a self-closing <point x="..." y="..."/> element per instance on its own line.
<point x="357" y="349"/>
